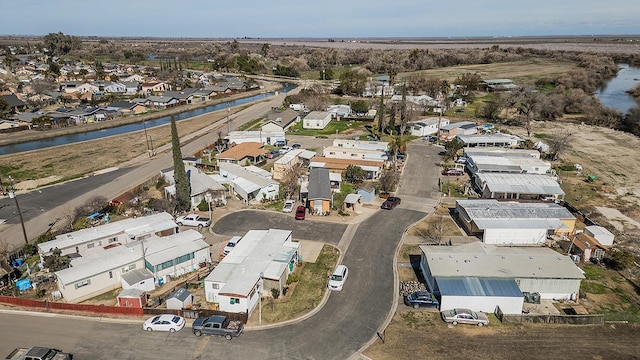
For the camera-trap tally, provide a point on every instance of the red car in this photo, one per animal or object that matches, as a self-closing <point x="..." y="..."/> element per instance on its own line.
<point x="390" y="203"/>
<point x="300" y="212"/>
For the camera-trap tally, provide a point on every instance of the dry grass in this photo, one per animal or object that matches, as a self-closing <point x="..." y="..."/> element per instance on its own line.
<point x="521" y="71"/>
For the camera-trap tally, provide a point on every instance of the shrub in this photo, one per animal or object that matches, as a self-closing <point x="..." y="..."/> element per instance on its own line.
<point x="293" y="278"/>
<point x="275" y="293"/>
<point x="285" y="290"/>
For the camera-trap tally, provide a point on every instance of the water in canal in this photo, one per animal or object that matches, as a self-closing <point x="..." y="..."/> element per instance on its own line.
<point x="98" y="134"/>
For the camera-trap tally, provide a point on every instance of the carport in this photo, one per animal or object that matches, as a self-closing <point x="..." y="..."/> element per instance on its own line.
<point x="480" y="294"/>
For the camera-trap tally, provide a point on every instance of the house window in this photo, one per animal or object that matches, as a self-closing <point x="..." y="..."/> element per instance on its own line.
<point x="234" y="301"/>
<point x="89" y="246"/>
<point x="215" y="286"/>
<point x="80" y="284"/>
<point x="184" y="258"/>
<point x="110" y="274"/>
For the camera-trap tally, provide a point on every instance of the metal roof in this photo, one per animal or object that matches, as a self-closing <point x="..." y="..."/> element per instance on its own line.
<point x="474" y="286"/>
<point x="259" y="251"/>
<point x="492" y="209"/>
<point x="501" y="152"/>
<point x="520" y="183"/>
<point x="319" y="184"/>
<point x="484" y="260"/>
<point x="489" y="138"/>
<point x="132" y="226"/>
<point x="136" y="276"/>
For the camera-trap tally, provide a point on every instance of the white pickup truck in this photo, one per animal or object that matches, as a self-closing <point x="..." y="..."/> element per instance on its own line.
<point x="193" y="220"/>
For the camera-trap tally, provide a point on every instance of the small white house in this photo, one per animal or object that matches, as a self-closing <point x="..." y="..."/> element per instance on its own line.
<point x="428" y="126"/>
<point x="248" y="184"/>
<point x="141" y="279"/>
<point x="316" y="120"/>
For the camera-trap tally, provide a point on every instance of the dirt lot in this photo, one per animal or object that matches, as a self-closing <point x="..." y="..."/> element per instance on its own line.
<point x="422" y="335"/>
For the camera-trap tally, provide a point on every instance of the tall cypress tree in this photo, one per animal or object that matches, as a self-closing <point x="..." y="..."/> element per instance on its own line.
<point x="183" y="188"/>
<point x="381" y="123"/>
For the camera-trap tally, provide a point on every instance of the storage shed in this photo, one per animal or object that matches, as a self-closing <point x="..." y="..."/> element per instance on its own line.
<point x="134" y="298"/>
<point x="604" y="236"/>
<point x="180" y="299"/>
<point x="141" y="279"/>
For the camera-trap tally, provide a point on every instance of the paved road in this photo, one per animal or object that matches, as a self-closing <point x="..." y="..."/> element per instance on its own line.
<point x="43" y="206"/>
<point x="347" y="321"/>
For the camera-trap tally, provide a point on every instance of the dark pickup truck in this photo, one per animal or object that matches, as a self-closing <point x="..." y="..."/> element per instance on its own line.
<point x="217" y="325"/>
<point x="38" y="353"/>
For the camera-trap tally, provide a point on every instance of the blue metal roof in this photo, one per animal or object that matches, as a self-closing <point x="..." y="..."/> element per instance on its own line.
<point x="473" y="286"/>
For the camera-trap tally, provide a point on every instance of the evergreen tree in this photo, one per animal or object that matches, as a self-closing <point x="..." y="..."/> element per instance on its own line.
<point x="183" y="189"/>
<point x="381" y="123"/>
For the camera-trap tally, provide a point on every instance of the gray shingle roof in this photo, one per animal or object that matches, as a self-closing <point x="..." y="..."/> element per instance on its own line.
<point x="319" y="184"/>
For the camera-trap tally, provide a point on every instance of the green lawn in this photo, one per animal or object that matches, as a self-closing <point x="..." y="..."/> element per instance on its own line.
<point x="334" y="127"/>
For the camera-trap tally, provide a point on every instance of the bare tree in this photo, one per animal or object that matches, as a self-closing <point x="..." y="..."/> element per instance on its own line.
<point x="558" y="144"/>
<point x="526" y="102"/>
<point x="290" y="180"/>
<point x="436" y="228"/>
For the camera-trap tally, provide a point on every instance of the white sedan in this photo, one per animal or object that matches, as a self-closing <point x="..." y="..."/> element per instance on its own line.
<point x="288" y="206"/>
<point x="166" y="322"/>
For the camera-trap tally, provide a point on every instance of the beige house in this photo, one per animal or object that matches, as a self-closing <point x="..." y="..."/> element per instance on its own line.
<point x="246" y="153"/>
<point x="286" y="162"/>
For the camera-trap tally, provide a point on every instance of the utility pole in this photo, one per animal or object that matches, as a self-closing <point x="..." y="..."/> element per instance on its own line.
<point x="228" y="122"/>
<point x="13" y="196"/>
<point x="146" y="136"/>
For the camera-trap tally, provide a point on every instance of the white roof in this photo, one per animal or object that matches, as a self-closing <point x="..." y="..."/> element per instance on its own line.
<point x="335" y="176"/>
<point x="501" y="152"/>
<point x="307" y="154"/>
<point x="246" y="173"/>
<point x="489" y="138"/>
<point x="483" y="260"/>
<point x="520" y="183"/>
<point x="352" y="198"/>
<point x="522" y="163"/>
<point x="290" y="156"/>
<point x="246" y="185"/>
<point x="199" y="181"/>
<point x="157" y="250"/>
<point x="259" y="251"/>
<point x="132" y="226"/>
<point x="259" y="171"/>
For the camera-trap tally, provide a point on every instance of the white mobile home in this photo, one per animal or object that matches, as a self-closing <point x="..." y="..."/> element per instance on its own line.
<point x="316" y="120"/>
<point x="87" y="241"/>
<point x="261" y="261"/>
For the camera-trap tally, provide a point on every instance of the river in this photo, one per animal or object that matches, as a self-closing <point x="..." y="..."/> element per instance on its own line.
<point x="118" y="130"/>
<point x="614" y="94"/>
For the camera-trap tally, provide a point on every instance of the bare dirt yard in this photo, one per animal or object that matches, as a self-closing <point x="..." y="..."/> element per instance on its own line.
<point x="423" y="335"/>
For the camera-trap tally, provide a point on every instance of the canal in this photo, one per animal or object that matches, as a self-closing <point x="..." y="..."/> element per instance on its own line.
<point x="119" y="130"/>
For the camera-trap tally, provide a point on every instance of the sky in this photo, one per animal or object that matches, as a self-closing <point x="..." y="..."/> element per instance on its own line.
<point x="320" y="19"/>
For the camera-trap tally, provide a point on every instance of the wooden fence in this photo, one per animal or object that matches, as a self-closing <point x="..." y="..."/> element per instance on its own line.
<point x="61" y="307"/>
<point x="589" y="319"/>
<point x="49" y="306"/>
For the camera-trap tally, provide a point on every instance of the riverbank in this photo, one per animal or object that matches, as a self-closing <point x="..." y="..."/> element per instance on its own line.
<point x="31" y="135"/>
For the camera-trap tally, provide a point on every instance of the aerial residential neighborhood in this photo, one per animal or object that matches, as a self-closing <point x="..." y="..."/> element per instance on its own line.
<point x="258" y="196"/>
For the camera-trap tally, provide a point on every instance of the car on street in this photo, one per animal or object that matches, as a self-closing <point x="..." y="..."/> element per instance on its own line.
<point x="231" y="244"/>
<point x="193" y="220"/>
<point x="421" y="298"/>
<point x="164" y="322"/>
<point x="452" y="172"/>
<point x="337" y="278"/>
<point x="390" y="203"/>
<point x="464" y="316"/>
<point x="288" y="206"/>
<point x="296" y="146"/>
<point x="300" y="212"/>
<point x="429" y="138"/>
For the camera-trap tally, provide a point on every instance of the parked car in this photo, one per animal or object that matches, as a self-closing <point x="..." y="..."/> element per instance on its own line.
<point x="464" y="316"/>
<point x="429" y="138"/>
<point x="421" y="298"/>
<point x="165" y="322"/>
<point x="288" y="206"/>
<point x="217" y="325"/>
<point x="337" y="278"/>
<point x="193" y="220"/>
<point x="280" y="143"/>
<point x="273" y="154"/>
<point x="390" y="203"/>
<point x="461" y="160"/>
<point x="452" y="172"/>
<point x="231" y="244"/>
<point x="296" y="146"/>
<point x="284" y="150"/>
<point x="38" y="353"/>
<point x="300" y="212"/>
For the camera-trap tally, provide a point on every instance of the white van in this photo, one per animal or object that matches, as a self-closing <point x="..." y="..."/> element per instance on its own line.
<point x="337" y="278"/>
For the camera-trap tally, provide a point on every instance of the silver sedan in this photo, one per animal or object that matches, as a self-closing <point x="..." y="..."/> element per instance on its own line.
<point x="464" y="316"/>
